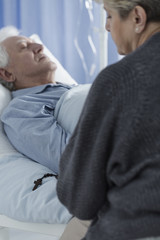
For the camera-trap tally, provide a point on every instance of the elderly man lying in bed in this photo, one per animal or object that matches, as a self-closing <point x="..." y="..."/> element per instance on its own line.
<point x="43" y="113"/>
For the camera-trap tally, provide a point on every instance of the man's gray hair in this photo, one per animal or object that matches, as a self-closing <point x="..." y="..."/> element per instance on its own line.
<point x="6" y="32"/>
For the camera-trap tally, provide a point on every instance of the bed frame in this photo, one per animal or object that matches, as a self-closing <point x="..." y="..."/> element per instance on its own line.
<point x="6" y="223"/>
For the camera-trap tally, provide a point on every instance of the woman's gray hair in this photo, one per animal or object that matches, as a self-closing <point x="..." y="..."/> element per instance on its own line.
<point x="6" y="32"/>
<point x="151" y="7"/>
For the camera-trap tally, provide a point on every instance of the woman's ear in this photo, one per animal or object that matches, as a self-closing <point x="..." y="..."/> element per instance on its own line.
<point x="140" y="19"/>
<point x="7" y="76"/>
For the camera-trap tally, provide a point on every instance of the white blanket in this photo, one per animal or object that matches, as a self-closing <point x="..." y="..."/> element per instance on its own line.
<point x="69" y="106"/>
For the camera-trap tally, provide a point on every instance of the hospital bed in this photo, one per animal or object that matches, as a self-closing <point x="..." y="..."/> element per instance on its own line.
<point x="20" y="207"/>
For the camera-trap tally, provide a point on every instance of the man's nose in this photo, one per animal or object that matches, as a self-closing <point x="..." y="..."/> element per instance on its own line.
<point x="36" y="47"/>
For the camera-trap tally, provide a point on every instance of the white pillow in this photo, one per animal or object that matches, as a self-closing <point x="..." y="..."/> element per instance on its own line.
<point x="5" y="97"/>
<point x="61" y="74"/>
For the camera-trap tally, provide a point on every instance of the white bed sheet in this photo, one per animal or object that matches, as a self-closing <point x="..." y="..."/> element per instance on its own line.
<point x="23" y="235"/>
<point x="9" y="226"/>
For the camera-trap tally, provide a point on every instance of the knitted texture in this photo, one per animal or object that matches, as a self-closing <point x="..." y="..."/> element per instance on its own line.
<point x="110" y="170"/>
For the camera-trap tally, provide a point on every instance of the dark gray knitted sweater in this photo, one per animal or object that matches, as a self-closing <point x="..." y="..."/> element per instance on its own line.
<point x="110" y="170"/>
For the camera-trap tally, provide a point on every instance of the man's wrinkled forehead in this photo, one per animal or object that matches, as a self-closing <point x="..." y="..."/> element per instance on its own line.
<point x="15" y="40"/>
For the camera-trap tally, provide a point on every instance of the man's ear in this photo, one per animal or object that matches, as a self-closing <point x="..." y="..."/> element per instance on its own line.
<point x="6" y="75"/>
<point x="140" y="19"/>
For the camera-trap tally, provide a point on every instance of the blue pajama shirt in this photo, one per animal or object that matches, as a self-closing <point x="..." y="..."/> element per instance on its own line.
<point x="31" y="127"/>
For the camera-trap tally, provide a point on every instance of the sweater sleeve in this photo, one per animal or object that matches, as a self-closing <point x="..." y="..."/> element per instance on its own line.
<point x="82" y="181"/>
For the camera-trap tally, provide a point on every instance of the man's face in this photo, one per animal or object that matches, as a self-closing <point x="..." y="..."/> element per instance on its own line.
<point x="27" y="62"/>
